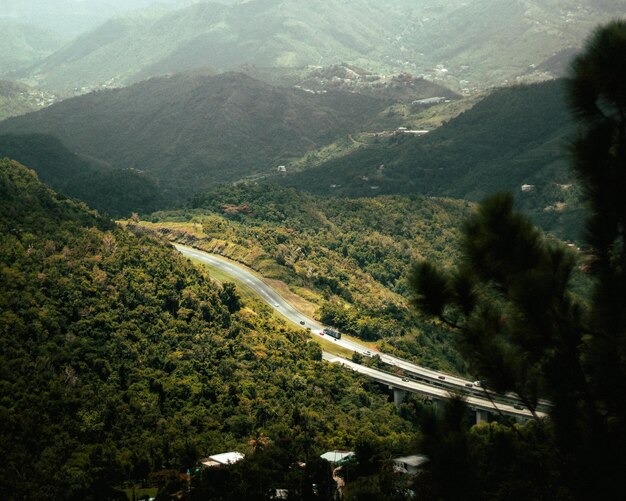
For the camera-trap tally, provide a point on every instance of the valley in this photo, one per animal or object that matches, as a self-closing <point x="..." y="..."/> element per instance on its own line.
<point x="338" y="250"/>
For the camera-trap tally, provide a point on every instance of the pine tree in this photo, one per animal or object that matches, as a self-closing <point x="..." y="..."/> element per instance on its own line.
<point x="521" y="326"/>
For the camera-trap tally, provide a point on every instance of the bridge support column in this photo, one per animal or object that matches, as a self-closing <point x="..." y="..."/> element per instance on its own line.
<point x="437" y="405"/>
<point x="482" y="416"/>
<point x="398" y="396"/>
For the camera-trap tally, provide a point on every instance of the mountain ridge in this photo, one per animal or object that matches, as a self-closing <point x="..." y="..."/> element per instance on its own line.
<point x="192" y="131"/>
<point x="515" y="136"/>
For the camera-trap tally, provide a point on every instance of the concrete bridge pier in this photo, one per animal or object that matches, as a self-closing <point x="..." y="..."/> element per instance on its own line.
<point x="482" y="416"/>
<point x="437" y="405"/>
<point x="398" y="396"/>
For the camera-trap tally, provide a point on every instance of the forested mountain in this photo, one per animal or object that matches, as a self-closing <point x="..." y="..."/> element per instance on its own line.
<point x="119" y="359"/>
<point x="114" y="191"/>
<point x="22" y="45"/>
<point x="263" y="32"/>
<point x="514" y="136"/>
<point x="192" y="131"/>
<point x="465" y="44"/>
<point x="493" y="42"/>
<point x="350" y="257"/>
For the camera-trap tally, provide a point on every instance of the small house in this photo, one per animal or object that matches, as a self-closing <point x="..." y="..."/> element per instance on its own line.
<point x="337" y="457"/>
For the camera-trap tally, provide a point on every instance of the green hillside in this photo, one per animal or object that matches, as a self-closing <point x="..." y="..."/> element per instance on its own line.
<point x="515" y="136"/>
<point x="19" y="99"/>
<point x="462" y="44"/>
<point x="117" y="192"/>
<point x="123" y="362"/>
<point x="262" y="32"/>
<point x="193" y="131"/>
<point x="23" y="45"/>
<point x="491" y="42"/>
<point x="350" y="257"/>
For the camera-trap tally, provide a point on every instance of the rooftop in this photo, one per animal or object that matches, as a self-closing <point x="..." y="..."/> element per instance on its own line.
<point x="222" y="459"/>
<point x="337" y="456"/>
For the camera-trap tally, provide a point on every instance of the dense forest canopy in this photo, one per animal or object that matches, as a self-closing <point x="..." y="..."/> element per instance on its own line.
<point x="114" y="191"/>
<point x="120" y="358"/>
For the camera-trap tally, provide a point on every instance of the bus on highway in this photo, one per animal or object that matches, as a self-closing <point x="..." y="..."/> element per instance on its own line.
<point x="332" y="333"/>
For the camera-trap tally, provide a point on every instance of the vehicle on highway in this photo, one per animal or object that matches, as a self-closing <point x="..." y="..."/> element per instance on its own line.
<point x="301" y="322"/>
<point x="518" y="407"/>
<point x="405" y="378"/>
<point x="332" y="333"/>
<point x="321" y="333"/>
<point x="441" y="377"/>
<point x="276" y="305"/>
<point x="367" y="353"/>
<point x="469" y="385"/>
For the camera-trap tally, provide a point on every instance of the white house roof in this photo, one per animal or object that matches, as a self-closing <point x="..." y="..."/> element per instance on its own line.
<point x="337" y="456"/>
<point x="224" y="458"/>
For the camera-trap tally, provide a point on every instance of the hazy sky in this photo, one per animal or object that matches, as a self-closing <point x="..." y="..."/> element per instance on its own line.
<point x="71" y="17"/>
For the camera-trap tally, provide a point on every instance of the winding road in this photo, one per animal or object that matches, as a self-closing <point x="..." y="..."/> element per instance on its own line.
<point x="416" y="378"/>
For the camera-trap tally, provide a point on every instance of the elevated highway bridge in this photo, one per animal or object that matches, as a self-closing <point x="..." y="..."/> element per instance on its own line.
<point x="415" y="378"/>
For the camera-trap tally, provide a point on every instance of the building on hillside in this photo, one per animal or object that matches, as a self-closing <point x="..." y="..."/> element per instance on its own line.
<point x="223" y="459"/>
<point x="416" y="132"/>
<point x="337" y="457"/>
<point x="409" y="464"/>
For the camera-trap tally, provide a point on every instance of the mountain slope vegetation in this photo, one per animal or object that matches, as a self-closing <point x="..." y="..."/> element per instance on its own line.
<point x="349" y="257"/>
<point x="17" y="99"/>
<point x="193" y="131"/>
<point x="119" y="359"/>
<point x="117" y="192"/>
<point x="514" y="136"/>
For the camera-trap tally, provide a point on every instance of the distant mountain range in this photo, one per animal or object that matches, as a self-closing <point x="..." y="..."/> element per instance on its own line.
<point x="22" y="45"/>
<point x="463" y="44"/>
<point x="193" y="131"/>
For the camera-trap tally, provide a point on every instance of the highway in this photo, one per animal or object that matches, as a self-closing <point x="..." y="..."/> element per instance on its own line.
<point x="438" y="393"/>
<point x="267" y="294"/>
<point x="421" y="379"/>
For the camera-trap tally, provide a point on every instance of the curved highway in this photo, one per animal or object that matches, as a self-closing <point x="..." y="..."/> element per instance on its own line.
<point x="417" y="378"/>
<point x="267" y="294"/>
